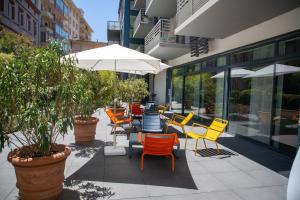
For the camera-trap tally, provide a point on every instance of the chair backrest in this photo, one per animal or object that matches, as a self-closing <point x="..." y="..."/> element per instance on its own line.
<point x="152" y="123"/>
<point x="216" y="128"/>
<point x="111" y="115"/>
<point x="136" y="109"/>
<point x="158" y="144"/>
<point x="187" y="118"/>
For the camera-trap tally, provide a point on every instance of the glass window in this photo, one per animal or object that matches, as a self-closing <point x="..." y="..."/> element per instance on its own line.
<point x="177" y="85"/>
<point x="250" y="102"/>
<point x="289" y="47"/>
<point x="258" y="53"/>
<point x="221" y="61"/>
<point x="28" y="23"/>
<point x="2" y="5"/>
<point x="211" y="96"/>
<point x="192" y="93"/>
<point x="177" y="71"/>
<point x="209" y="63"/>
<point x="287" y="105"/>
<point x="190" y="68"/>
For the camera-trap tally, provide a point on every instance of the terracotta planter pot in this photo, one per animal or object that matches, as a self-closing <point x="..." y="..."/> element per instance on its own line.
<point x="85" y="130"/>
<point x="40" y="178"/>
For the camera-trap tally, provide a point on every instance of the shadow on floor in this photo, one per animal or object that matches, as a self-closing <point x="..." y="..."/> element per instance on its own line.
<point x="87" y="150"/>
<point x="209" y="152"/>
<point x="85" y="190"/>
<point x="259" y="153"/>
<point x="121" y="169"/>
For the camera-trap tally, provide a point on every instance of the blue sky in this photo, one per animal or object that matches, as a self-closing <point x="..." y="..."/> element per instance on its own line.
<point x="97" y="13"/>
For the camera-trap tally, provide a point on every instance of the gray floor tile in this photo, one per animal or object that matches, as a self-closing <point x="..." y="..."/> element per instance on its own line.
<point x="237" y="180"/>
<point x="209" y="183"/>
<point x="268" y="178"/>
<point x="262" y="193"/>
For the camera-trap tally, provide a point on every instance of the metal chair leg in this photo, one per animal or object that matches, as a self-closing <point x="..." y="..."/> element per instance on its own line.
<point x="166" y="130"/>
<point x="196" y="147"/>
<point x="142" y="161"/>
<point x="186" y="138"/>
<point x="218" y="150"/>
<point x="204" y="143"/>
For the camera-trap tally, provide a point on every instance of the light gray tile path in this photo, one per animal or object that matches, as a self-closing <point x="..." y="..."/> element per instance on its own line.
<point x="90" y="175"/>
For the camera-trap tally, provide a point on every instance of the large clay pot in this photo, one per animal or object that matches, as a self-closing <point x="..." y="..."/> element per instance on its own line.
<point x="40" y="178"/>
<point x="85" y="129"/>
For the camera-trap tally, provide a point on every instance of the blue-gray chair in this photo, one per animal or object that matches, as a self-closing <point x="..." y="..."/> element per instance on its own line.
<point x="152" y="123"/>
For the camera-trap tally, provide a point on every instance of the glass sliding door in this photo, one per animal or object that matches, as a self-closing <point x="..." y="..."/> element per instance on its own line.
<point x="192" y="93"/>
<point x="177" y="88"/>
<point x="211" y="96"/>
<point x="286" y="106"/>
<point x="250" y="102"/>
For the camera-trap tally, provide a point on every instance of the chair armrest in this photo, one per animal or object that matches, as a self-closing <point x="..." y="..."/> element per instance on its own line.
<point x="199" y="125"/>
<point x="177" y="116"/>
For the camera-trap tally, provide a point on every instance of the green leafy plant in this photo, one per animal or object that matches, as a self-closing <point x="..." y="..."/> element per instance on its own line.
<point x="37" y="97"/>
<point x="132" y="90"/>
<point x="92" y="91"/>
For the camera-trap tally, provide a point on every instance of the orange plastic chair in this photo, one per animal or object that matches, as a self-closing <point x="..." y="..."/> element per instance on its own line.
<point x="136" y="110"/>
<point x="117" y="119"/>
<point x="158" y="145"/>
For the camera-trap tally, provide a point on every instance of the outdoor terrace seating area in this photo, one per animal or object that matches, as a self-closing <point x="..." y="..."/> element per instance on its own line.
<point x="234" y="173"/>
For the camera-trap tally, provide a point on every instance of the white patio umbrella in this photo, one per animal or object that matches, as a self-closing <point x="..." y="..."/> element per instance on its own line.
<point x="163" y="66"/>
<point x="235" y="73"/>
<point x="280" y="69"/>
<point x="119" y="59"/>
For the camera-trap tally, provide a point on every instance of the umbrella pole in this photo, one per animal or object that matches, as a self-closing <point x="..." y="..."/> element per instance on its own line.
<point x="115" y="106"/>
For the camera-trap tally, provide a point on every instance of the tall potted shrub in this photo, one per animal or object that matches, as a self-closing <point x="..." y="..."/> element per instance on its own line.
<point x="41" y="108"/>
<point x="93" y="91"/>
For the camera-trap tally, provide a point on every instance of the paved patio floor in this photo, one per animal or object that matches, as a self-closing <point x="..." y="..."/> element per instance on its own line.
<point x="228" y="176"/>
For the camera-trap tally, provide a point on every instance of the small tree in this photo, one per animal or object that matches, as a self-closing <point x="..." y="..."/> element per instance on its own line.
<point x="93" y="90"/>
<point x="37" y="96"/>
<point x="132" y="90"/>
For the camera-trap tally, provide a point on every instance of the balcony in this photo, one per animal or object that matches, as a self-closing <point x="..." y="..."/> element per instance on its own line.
<point x="221" y="18"/>
<point x="155" y="8"/>
<point x="138" y="4"/>
<point x="113" y="42"/>
<point x="113" y="30"/>
<point x="47" y="30"/>
<point x="142" y="25"/>
<point x="47" y="14"/>
<point x="162" y="43"/>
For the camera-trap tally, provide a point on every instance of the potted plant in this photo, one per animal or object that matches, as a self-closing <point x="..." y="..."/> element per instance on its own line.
<point x="93" y="90"/>
<point x="37" y="109"/>
<point x="132" y="90"/>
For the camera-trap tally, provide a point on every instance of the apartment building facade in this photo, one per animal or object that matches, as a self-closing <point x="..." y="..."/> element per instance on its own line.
<point x="45" y="20"/>
<point x="85" y="31"/>
<point x="238" y="60"/>
<point x="22" y="17"/>
<point x="72" y="24"/>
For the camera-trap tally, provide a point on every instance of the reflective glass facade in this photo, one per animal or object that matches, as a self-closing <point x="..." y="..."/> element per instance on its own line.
<point x="256" y="88"/>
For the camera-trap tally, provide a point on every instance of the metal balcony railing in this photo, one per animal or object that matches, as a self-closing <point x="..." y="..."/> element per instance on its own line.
<point x="110" y="42"/>
<point x="113" y="25"/>
<point x="186" y="8"/>
<point x="163" y="32"/>
<point x="142" y="18"/>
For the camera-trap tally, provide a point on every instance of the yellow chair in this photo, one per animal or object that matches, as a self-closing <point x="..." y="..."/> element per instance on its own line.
<point x="211" y="133"/>
<point x="183" y="121"/>
<point x="161" y="109"/>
